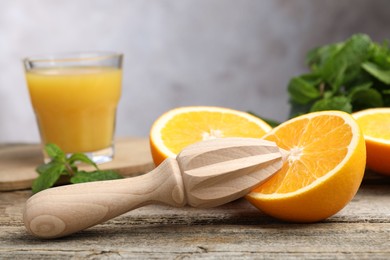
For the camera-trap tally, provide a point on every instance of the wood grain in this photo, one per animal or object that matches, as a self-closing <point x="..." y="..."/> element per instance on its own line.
<point x="232" y="231"/>
<point x="18" y="162"/>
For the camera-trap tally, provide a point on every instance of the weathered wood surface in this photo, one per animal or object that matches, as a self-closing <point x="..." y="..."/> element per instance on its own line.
<point x="236" y="230"/>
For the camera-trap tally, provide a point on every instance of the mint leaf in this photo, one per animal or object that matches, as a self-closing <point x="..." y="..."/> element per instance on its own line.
<point x="377" y="72"/>
<point x="47" y="177"/>
<point x="298" y="109"/>
<point x="51" y="166"/>
<point x="363" y="96"/>
<point x="349" y="76"/>
<point x="345" y="64"/>
<point x="333" y="103"/>
<point x="80" y="157"/>
<point x="315" y="58"/>
<point x="304" y="89"/>
<point x="380" y="55"/>
<point x="83" y="176"/>
<point x="49" y="173"/>
<point x="54" y="152"/>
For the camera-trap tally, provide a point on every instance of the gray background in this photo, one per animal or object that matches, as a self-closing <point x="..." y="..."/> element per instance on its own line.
<point x="233" y="53"/>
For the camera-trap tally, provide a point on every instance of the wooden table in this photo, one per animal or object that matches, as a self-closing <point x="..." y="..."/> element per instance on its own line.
<point x="236" y="230"/>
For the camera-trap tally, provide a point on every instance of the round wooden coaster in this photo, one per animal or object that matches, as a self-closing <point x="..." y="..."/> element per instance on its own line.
<point x="18" y="162"/>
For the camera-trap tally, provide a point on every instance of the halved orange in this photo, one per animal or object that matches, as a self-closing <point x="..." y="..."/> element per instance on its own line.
<point x="183" y="126"/>
<point x="375" y="124"/>
<point x="323" y="171"/>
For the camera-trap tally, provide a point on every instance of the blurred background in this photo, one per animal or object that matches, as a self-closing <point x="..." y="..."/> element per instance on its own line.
<point x="237" y="54"/>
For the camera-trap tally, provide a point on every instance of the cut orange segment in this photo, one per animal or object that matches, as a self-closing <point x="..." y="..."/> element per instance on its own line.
<point x="323" y="172"/>
<point x="375" y="124"/>
<point x="183" y="126"/>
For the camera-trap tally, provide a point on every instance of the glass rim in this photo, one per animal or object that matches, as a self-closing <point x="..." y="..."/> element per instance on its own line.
<point x="73" y="56"/>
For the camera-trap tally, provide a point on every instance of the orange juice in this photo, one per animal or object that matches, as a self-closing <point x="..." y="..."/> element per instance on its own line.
<point x="75" y="106"/>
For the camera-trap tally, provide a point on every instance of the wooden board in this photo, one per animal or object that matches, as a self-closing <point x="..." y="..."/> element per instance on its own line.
<point x="18" y="162"/>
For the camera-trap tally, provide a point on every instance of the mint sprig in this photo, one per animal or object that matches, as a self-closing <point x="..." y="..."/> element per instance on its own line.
<point x="61" y="165"/>
<point x="348" y="76"/>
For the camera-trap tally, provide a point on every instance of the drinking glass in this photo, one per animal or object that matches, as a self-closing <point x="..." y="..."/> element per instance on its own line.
<point x="75" y="97"/>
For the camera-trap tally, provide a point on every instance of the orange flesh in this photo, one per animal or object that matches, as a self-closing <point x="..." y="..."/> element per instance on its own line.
<point x="208" y="125"/>
<point x="312" y="153"/>
<point x="377" y="125"/>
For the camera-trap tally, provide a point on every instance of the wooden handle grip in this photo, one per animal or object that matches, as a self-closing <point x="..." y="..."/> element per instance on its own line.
<point x="67" y="209"/>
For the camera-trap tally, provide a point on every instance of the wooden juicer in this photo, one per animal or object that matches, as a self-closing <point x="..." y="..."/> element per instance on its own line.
<point x="206" y="174"/>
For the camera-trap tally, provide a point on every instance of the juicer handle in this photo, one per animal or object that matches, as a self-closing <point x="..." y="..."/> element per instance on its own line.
<point x="61" y="211"/>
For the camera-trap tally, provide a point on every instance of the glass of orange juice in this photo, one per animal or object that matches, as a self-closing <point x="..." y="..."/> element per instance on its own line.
<point x="74" y="97"/>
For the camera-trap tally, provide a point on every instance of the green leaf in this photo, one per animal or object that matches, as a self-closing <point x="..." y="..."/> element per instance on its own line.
<point x="51" y="166"/>
<point x="303" y="89"/>
<point x="345" y="64"/>
<point x="328" y="94"/>
<point x="334" y="103"/>
<point x="54" y="152"/>
<point x="363" y="86"/>
<point x="47" y="177"/>
<point x="380" y="55"/>
<point x="363" y="97"/>
<point x="49" y="173"/>
<point x="377" y="72"/>
<point x="83" y="176"/>
<point x="80" y="157"/>
<point x="386" y="99"/>
<point x="349" y="76"/>
<point x="298" y="109"/>
<point x="315" y="58"/>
